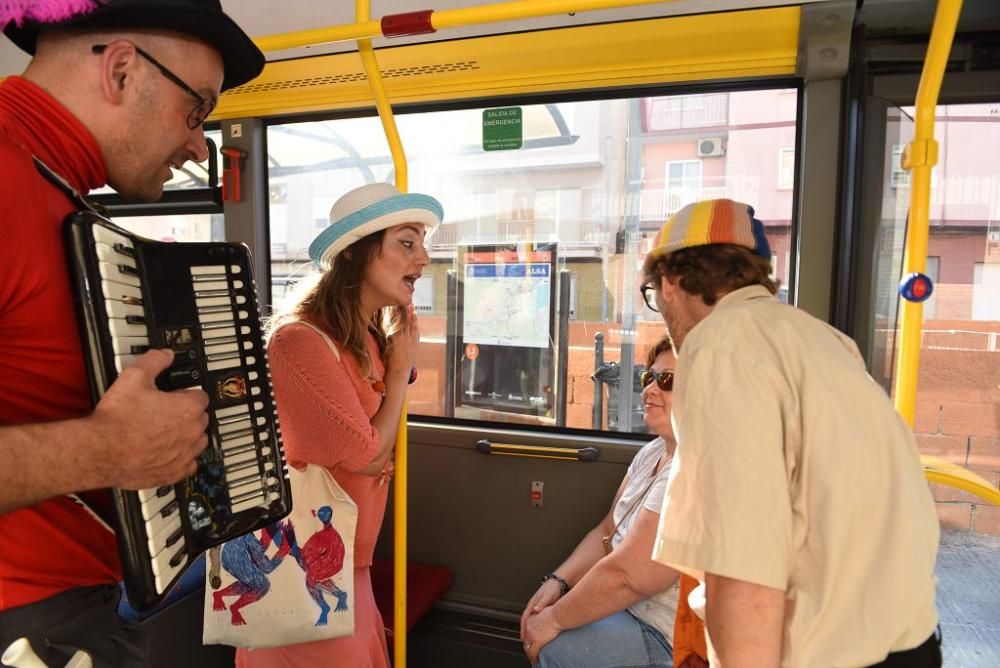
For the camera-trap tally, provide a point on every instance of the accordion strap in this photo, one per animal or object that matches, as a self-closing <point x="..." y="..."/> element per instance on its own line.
<point x="78" y="200"/>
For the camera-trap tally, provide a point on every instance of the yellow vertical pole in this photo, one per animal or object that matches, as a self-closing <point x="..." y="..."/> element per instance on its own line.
<point x="401" y="473"/>
<point x="919" y="158"/>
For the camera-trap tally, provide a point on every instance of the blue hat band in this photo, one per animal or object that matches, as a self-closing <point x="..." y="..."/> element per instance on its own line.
<point x="368" y="214"/>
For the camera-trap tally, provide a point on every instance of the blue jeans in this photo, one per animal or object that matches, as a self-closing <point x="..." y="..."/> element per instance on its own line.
<point x="621" y="640"/>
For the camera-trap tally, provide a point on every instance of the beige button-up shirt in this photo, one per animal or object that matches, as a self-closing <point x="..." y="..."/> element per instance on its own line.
<point x="793" y="471"/>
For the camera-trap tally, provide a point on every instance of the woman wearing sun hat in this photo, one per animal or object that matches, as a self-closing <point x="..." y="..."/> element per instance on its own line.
<point x="343" y="413"/>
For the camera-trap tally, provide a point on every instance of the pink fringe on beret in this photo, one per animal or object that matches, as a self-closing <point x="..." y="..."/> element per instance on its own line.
<point x="43" y="11"/>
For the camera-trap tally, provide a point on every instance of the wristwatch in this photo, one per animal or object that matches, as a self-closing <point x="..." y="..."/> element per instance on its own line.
<point x="563" y="585"/>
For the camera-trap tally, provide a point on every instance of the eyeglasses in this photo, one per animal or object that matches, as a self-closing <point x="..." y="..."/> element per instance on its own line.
<point x="649" y="296"/>
<point x="205" y="105"/>
<point x="664" y="379"/>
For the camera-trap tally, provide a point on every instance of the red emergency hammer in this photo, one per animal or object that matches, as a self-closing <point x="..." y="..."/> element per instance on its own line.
<point x="233" y="161"/>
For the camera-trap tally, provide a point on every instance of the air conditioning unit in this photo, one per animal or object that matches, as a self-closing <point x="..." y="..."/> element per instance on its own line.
<point x="710" y="146"/>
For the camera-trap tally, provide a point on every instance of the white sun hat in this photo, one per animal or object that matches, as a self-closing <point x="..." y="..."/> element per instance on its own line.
<point x="369" y="209"/>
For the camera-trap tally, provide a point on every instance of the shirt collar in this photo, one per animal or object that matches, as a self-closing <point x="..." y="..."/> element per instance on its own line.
<point x="748" y="294"/>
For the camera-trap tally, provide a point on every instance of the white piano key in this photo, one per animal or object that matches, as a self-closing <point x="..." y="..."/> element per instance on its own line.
<point x="253" y="375"/>
<point x="222" y="348"/>
<point x="120" y="291"/>
<point x="242" y="315"/>
<point x="199" y="293"/>
<point x="225" y="316"/>
<point x="217" y="331"/>
<point x="112" y="255"/>
<point x="254" y="390"/>
<point x="105" y="236"/>
<point x="258" y="405"/>
<point x="235" y="268"/>
<point x="223" y="364"/>
<point x="244" y="484"/>
<point x="123" y="345"/>
<point x="208" y="302"/>
<point x="156" y="505"/>
<point x="245" y="330"/>
<point x="238" y="425"/>
<point x="248" y="345"/>
<point x="243" y="467"/>
<point x="119" y="309"/>
<point x="170" y="534"/>
<point x="152" y="492"/>
<point x="234" y="419"/>
<point x="250" y="501"/>
<point x="235" y="442"/>
<point x="116" y="273"/>
<point x="251" y="360"/>
<point x="230" y="412"/>
<point x="164" y="571"/>
<point x="201" y="270"/>
<point x="207" y="285"/>
<point x="239" y="458"/>
<point x="119" y="328"/>
<point x="123" y="362"/>
<point x="156" y="523"/>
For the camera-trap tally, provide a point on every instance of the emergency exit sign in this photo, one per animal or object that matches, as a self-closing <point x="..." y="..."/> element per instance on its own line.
<point x="502" y="129"/>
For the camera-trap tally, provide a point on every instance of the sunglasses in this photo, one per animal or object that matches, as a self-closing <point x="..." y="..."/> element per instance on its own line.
<point x="204" y="104"/>
<point x="664" y="379"/>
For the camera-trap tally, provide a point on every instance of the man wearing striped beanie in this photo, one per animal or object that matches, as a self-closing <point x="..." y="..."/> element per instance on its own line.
<point x="797" y="494"/>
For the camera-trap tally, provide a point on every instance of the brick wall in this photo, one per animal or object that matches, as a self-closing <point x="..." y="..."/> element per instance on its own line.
<point x="958" y="415"/>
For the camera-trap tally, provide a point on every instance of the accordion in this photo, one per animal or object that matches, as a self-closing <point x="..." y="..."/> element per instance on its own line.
<point x="200" y="300"/>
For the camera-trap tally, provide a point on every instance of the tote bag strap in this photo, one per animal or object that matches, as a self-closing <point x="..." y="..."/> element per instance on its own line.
<point x="329" y="341"/>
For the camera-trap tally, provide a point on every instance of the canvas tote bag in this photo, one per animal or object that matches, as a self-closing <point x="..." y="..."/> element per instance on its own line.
<point x="292" y="581"/>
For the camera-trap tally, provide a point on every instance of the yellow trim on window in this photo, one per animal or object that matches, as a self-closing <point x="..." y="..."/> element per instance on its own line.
<point x="734" y="45"/>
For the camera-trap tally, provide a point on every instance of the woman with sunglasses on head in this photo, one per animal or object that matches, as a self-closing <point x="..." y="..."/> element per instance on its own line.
<point x="342" y="410"/>
<point x="609" y="604"/>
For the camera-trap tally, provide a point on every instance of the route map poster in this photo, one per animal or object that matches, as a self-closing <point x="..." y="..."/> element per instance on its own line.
<point x="507" y="315"/>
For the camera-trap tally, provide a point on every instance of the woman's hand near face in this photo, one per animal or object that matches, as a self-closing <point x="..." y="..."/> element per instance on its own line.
<point x="401" y="355"/>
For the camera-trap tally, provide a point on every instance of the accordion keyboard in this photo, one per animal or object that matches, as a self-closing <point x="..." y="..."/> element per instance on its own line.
<point x="199" y="300"/>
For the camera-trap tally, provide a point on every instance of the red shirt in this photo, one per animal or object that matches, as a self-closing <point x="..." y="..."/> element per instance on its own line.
<point x="56" y="544"/>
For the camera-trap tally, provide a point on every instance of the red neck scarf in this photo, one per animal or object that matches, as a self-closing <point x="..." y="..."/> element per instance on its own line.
<point x="34" y="120"/>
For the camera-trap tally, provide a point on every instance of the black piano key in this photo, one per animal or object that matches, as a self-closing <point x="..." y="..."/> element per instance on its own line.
<point x="169" y="509"/>
<point x="124" y="250"/>
<point x="135" y="320"/>
<point x="126" y="269"/>
<point x="175" y="560"/>
<point x="138" y="350"/>
<point x="174" y="537"/>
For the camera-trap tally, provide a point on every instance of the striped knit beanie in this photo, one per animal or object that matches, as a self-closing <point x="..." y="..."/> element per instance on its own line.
<point x="714" y="221"/>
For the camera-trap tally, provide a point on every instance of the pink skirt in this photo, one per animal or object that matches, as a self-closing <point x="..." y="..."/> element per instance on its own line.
<point x="365" y="649"/>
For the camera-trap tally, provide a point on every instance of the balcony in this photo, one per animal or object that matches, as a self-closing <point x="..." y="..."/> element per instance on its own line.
<point x="687" y="111"/>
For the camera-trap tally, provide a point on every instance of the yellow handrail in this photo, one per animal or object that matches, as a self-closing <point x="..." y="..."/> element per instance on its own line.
<point x="944" y="472"/>
<point x="370" y="63"/>
<point x="448" y="18"/>
<point x="919" y="158"/>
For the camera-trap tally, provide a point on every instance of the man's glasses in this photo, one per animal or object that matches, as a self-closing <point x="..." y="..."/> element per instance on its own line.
<point x="649" y="296"/>
<point x="664" y="379"/>
<point x="205" y="105"/>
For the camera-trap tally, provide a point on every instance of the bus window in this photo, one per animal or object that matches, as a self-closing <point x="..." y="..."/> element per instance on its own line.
<point x="579" y="199"/>
<point x="957" y="388"/>
<point x="167" y="223"/>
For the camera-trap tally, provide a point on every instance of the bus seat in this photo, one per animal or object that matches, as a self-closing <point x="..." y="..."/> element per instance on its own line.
<point x="425" y="584"/>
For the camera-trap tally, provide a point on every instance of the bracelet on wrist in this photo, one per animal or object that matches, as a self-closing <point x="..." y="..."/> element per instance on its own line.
<point x="563" y="585"/>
